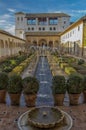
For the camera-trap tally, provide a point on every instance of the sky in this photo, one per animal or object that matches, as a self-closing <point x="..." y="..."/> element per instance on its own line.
<point x="75" y="8"/>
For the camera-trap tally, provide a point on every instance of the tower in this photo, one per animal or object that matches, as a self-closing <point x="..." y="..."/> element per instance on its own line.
<point x="20" y="23"/>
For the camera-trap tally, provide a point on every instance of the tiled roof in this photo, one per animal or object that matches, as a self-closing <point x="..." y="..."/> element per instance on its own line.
<point x="9" y="34"/>
<point x="47" y="15"/>
<point x="19" y="13"/>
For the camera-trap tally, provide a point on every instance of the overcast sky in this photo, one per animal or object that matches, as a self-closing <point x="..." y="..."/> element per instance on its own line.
<point x="75" y="8"/>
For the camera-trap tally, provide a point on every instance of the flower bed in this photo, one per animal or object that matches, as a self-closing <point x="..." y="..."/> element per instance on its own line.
<point x="70" y="70"/>
<point x="10" y="63"/>
<point x="22" y="66"/>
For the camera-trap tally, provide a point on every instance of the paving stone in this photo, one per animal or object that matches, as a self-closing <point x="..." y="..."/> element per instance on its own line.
<point x="7" y="121"/>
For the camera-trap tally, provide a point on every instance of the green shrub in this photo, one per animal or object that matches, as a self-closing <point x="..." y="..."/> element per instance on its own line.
<point x="7" y="69"/>
<point x="70" y="70"/>
<point x="31" y="85"/>
<point x="71" y="60"/>
<point x="80" y="61"/>
<point x="10" y="63"/>
<point x="13" y="62"/>
<point x="63" y="65"/>
<point x="75" y="83"/>
<point x="14" y="84"/>
<point x="58" y="83"/>
<point x="3" y="80"/>
<point x="18" y="69"/>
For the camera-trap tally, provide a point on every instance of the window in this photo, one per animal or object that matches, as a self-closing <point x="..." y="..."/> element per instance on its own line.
<point x="78" y="28"/>
<point x="28" y="28"/>
<point x="39" y="28"/>
<point x="64" y="22"/>
<point x="42" y="21"/>
<point x="32" y="28"/>
<point x="31" y="21"/>
<point x="43" y="28"/>
<point x="54" y="28"/>
<point x="50" y="28"/>
<point x="53" y="21"/>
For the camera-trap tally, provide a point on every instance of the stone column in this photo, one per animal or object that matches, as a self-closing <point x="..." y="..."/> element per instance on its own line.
<point x="36" y="21"/>
<point x="47" y="21"/>
<point x="8" y="49"/>
<point x="4" y="53"/>
<point x="13" y="47"/>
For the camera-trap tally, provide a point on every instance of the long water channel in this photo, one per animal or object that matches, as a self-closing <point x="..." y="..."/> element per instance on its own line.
<point x="44" y="76"/>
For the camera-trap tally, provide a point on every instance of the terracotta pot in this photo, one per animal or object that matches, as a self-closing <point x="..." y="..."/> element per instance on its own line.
<point x="59" y="99"/>
<point x="15" y="98"/>
<point x="2" y="96"/>
<point x="30" y="99"/>
<point x="74" y="98"/>
<point x="84" y="93"/>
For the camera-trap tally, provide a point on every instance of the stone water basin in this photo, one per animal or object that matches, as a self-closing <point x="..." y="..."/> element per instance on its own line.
<point x="44" y="118"/>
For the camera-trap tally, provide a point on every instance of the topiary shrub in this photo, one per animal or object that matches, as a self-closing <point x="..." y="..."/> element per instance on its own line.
<point x="84" y="82"/>
<point x="3" y="80"/>
<point x="58" y="84"/>
<point x="75" y="84"/>
<point x="14" y="83"/>
<point x="31" y="85"/>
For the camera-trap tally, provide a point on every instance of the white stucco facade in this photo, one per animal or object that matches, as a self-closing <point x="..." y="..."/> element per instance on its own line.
<point x="47" y="22"/>
<point x="72" y="38"/>
<point x="73" y="35"/>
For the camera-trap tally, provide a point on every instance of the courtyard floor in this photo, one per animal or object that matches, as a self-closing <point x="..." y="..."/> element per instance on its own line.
<point x="9" y="116"/>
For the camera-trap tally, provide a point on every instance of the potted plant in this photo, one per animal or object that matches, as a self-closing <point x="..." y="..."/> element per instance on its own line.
<point x="84" y="91"/>
<point x="31" y="87"/>
<point x="15" y="88"/>
<point x="59" y="89"/>
<point x="74" y="88"/>
<point x="3" y="86"/>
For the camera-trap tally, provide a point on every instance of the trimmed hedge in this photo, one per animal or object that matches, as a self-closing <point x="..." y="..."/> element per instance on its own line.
<point x="9" y="64"/>
<point x="63" y="65"/>
<point x="22" y="66"/>
<point x="70" y="70"/>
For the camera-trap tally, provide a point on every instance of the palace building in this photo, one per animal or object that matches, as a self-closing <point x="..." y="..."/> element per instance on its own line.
<point x="45" y="29"/>
<point x="73" y="39"/>
<point x="41" y="28"/>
